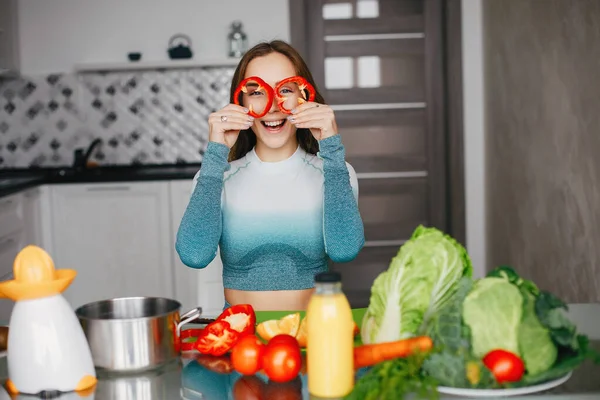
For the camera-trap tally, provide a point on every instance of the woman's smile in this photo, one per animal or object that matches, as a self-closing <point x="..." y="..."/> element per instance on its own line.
<point x="274" y="126"/>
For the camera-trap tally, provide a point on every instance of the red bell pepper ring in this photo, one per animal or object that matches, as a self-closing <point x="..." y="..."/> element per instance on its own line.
<point x="241" y="318"/>
<point x="184" y="345"/>
<point x="190" y="333"/>
<point x="187" y="346"/>
<point x="303" y="85"/>
<point x="217" y="338"/>
<point x="262" y="85"/>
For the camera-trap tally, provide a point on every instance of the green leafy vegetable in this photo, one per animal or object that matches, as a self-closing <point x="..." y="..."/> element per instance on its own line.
<point x="451" y="364"/>
<point x="447" y="369"/>
<point x="446" y="328"/>
<point x="493" y="312"/>
<point x="566" y="362"/>
<point x="550" y="310"/>
<point x="421" y="279"/>
<point x="511" y="276"/>
<point x="536" y="347"/>
<point x="548" y="341"/>
<point x="395" y="380"/>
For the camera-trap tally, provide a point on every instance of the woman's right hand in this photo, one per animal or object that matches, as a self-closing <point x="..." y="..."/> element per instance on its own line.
<point x="225" y="125"/>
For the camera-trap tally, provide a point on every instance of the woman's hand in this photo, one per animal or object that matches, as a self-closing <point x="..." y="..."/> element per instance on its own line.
<point x="319" y="118"/>
<point x="224" y="126"/>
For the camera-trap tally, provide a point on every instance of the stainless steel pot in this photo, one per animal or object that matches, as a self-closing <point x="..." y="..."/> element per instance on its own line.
<point x="133" y="333"/>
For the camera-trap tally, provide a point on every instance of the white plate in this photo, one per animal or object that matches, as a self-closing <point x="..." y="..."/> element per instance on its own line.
<point x="478" y="393"/>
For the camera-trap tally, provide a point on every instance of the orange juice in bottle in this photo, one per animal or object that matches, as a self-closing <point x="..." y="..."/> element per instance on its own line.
<point x="330" y="339"/>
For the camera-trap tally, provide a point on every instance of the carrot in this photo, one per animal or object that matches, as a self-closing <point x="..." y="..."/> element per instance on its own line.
<point x="370" y="354"/>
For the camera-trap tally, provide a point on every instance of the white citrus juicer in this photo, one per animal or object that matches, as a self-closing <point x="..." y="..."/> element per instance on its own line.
<point x="47" y="350"/>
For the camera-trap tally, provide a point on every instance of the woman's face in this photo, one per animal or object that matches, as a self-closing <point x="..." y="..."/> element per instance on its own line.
<point x="273" y="130"/>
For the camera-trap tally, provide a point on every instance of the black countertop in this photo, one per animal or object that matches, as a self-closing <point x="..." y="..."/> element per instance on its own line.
<point x="16" y="180"/>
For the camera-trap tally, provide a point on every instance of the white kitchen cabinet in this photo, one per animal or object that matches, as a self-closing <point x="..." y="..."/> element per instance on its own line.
<point x="35" y="216"/>
<point x="117" y="236"/>
<point x="13" y="237"/>
<point x="9" y="37"/>
<point x="194" y="287"/>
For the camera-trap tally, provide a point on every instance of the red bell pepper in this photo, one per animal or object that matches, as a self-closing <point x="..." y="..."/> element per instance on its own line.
<point x="217" y="338"/>
<point x="303" y="85"/>
<point x="262" y="85"/>
<point x="241" y="318"/>
<point x="186" y="345"/>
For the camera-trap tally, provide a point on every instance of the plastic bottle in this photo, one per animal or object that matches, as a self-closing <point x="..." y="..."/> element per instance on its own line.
<point x="330" y="339"/>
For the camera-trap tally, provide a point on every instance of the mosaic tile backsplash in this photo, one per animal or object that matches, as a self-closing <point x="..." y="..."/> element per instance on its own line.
<point x="142" y="117"/>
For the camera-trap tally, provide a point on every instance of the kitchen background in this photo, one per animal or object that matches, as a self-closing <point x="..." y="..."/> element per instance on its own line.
<point x="142" y="116"/>
<point x="434" y="98"/>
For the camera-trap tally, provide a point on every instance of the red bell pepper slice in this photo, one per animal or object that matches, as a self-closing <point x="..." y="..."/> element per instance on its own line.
<point x="304" y="87"/>
<point x="241" y="318"/>
<point x="217" y="338"/>
<point x="190" y="333"/>
<point x="262" y="85"/>
<point x="187" y="345"/>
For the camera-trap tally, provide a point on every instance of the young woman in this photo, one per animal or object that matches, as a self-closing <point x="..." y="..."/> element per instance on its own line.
<point x="274" y="191"/>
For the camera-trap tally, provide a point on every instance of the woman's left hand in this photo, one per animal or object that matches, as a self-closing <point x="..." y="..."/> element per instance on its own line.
<point x="319" y="118"/>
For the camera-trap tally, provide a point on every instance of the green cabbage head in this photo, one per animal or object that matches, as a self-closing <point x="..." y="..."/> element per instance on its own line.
<point x="421" y="279"/>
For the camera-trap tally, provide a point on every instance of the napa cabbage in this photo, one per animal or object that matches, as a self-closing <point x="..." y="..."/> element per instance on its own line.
<point x="421" y="279"/>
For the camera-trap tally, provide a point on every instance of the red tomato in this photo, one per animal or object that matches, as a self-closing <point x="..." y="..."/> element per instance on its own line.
<point x="284" y="338"/>
<point x="247" y="354"/>
<point x="282" y="359"/>
<point x="506" y="366"/>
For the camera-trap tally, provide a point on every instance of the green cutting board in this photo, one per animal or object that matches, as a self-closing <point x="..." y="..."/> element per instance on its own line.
<point x="261" y="316"/>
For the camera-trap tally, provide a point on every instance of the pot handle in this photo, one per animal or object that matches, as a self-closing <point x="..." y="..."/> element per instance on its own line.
<point x="187" y="318"/>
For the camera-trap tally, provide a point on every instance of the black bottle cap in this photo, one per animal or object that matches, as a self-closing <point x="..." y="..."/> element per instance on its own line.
<point x="328" y="277"/>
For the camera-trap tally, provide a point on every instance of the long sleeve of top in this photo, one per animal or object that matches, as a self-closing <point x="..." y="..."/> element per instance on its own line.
<point x="201" y="226"/>
<point x="342" y="224"/>
<point x="276" y="223"/>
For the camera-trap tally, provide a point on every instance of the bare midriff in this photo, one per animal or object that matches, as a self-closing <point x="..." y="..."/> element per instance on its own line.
<point x="279" y="300"/>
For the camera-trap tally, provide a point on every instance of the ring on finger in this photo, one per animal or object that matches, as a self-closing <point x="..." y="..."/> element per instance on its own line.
<point x="223" y="118"/>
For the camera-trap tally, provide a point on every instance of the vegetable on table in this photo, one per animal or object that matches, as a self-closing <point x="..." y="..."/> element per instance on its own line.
<point x="241" y="318"/>
<point x="217" y="338"/>
<point x="500" y="331"/>
<point x="282" y="359"/>
<point x="420" y="280"/>
<point x="503" y="311"/>
<point x="493" y="311"/>
<point x="247" y="355"/>
<point x="370" y="354"/>
<point x="398" y="379"/>
<point x="506" y="366"/>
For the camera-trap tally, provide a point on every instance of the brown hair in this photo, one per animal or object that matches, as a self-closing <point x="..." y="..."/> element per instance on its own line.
<point x="247" y="139"/>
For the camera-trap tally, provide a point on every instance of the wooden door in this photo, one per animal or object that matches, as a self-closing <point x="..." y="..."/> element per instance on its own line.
<point x="382" y="66"/>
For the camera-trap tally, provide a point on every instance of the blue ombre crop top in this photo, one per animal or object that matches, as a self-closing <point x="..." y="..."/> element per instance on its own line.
<point x="276" y="223"/>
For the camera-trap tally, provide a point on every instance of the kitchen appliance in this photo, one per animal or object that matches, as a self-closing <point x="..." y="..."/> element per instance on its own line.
<point x="182" y="50"/>
<point x="133" y="334"/>
<point x="47" y="350"/>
